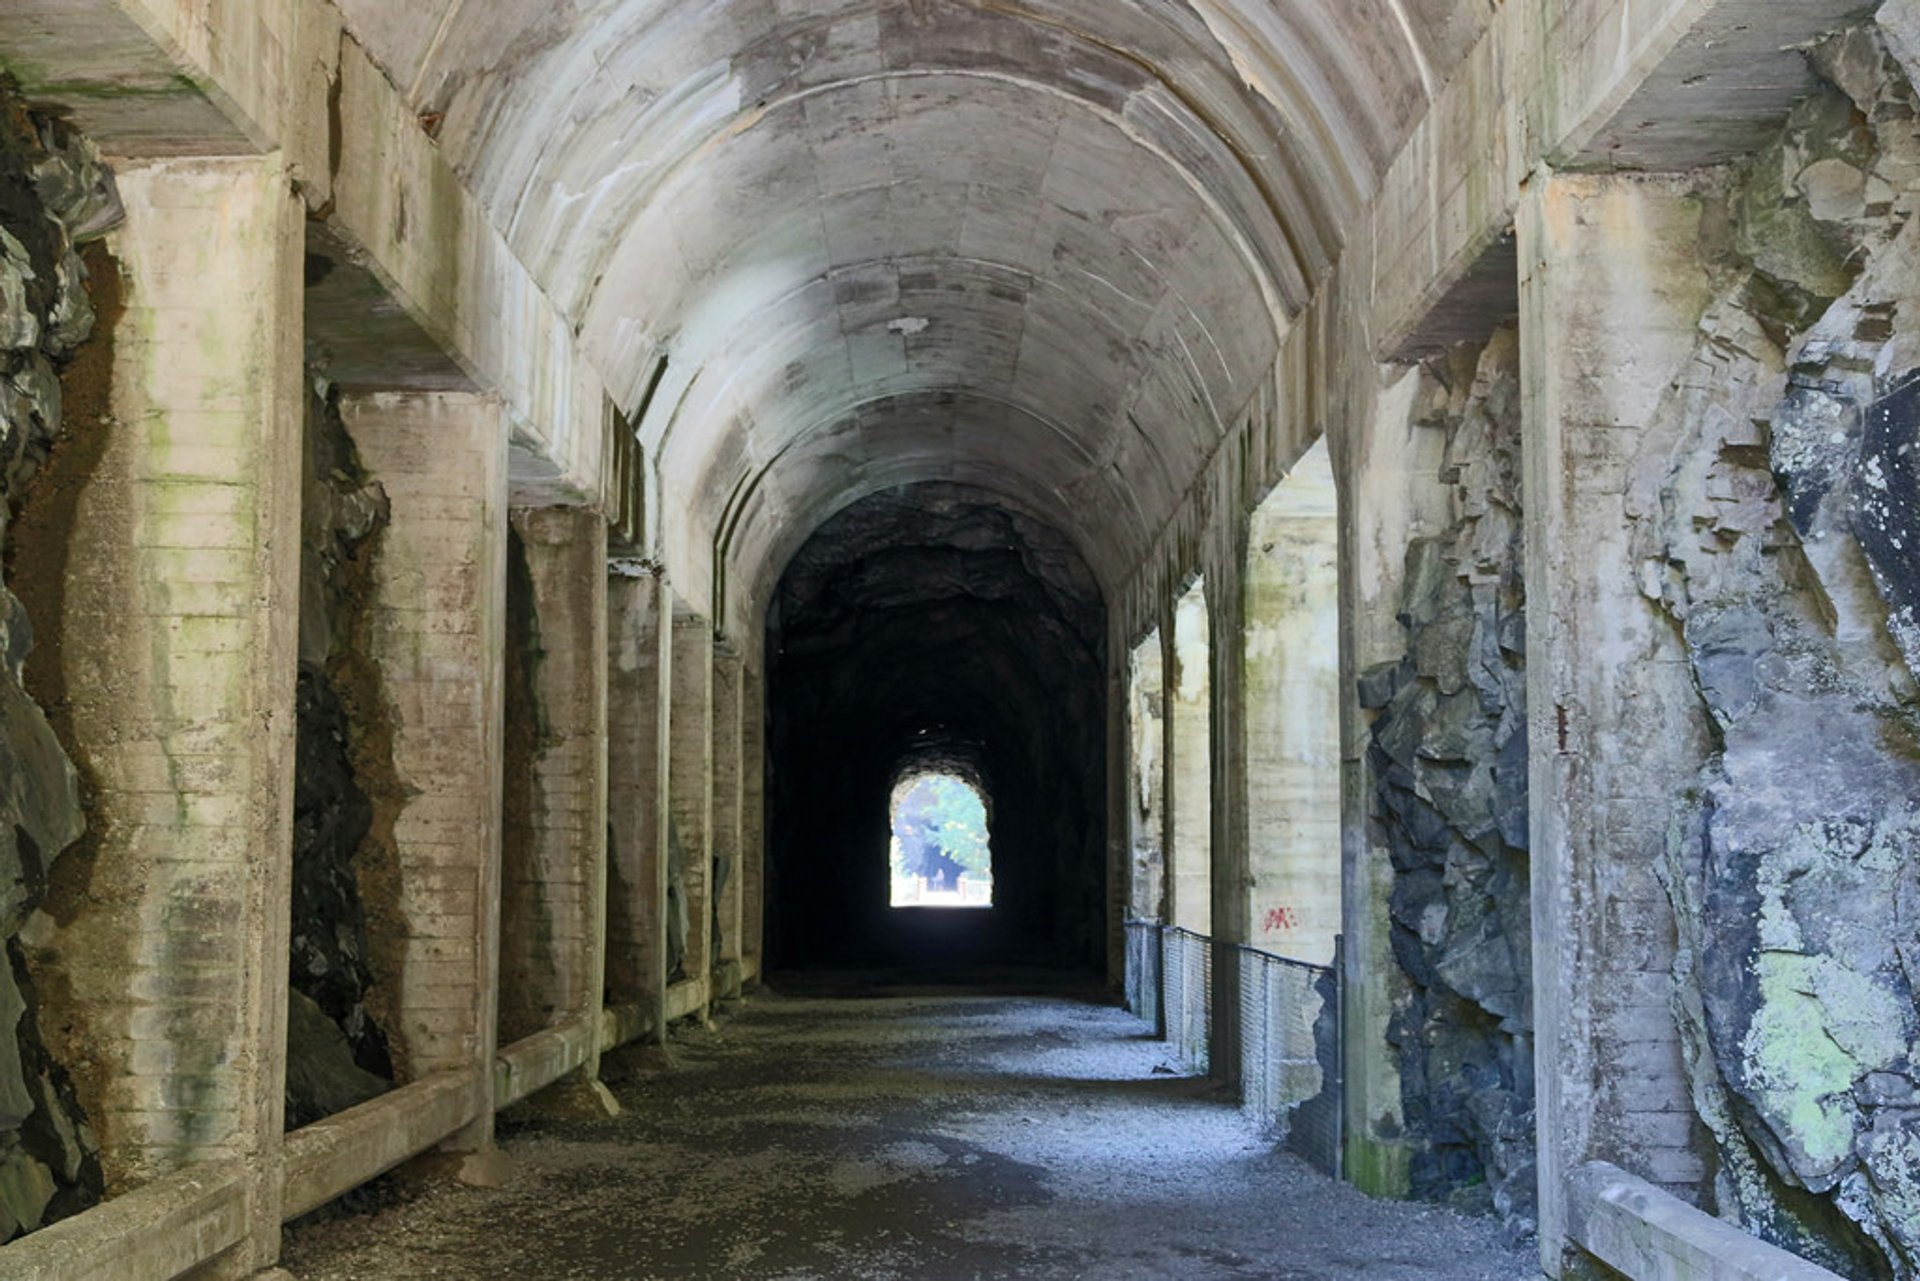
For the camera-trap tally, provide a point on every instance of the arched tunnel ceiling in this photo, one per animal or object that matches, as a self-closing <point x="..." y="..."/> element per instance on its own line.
<point x="1045" y="247"/>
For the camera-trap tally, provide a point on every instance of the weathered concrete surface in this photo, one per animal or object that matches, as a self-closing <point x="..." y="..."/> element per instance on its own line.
<point x="1291" y="643"/>
<point x="1640" y="1231"/>
<point x="178" y="624"/>
<point x="999" y="1138"/>
<point x="639" y="701"/>
<point x="1147" y="780"/>
<point x="728" y="941"/>
<point x="552" y="890"/>
<point x="1190" y="755"/>
<point x="437" y="631"/>
<point x="690" y="798"/>
<point x="753" y="822"/>
<point x="1611" y="280"/>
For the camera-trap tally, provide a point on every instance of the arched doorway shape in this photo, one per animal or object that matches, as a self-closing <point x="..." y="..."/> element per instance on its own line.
<point x="940" y="854"/>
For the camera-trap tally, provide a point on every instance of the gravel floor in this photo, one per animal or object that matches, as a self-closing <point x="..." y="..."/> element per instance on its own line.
<point x="936" y="1137"/>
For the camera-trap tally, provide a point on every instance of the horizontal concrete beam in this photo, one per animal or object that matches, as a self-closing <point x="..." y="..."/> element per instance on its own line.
<point x="1669" y="85"/>
<point x="1651" y="1235"/>
<point x="152" y="77"/>
<point x="151" y="1234"/>
<point x="687" y="997"/>
<point x="530" y="1065"/>
<point x="337" y="1155"/>
<point x="621" y="1024"/>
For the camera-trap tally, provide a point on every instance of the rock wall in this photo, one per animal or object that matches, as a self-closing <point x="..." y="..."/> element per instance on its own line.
<point x="55" y="195"/>
<point x="1775" y="528"/>
<point x="1449" y="748"/>
<point x="337" y="1054"/>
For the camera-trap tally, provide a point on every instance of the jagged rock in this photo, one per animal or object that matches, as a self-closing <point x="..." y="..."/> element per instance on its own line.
<point x="1785" y="507"/>
<point x="26" y="1188"/>
<point x="329" y="961"/>
<point x="322" y="1077"/>
<point x="1449" y="754"/>
<point x="53" y="192"/>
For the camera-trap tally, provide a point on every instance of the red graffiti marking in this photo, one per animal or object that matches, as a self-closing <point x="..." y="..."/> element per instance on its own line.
<point x="1282" y="918"/>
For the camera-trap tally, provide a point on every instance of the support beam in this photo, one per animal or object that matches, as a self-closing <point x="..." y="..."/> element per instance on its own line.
<point x="1613" y="279"/>
<point x="553" y="885"/>
<point x="728" y="676"/>
<point x="690" y="793"/>
<point x="437" y="635"/>
<point x="639" y="696"/>
<point x="753" y="824"/>
<point x="176" y="627"/>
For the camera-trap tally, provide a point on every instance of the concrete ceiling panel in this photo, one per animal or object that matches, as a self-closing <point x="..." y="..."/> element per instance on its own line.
<point x="1046" y="246"/>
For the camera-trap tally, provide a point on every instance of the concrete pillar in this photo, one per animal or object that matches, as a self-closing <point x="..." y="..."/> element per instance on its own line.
<point x="162" y="966"/>
<point x="1613" y="286"/>
<point x="753" y="824"/>
<point x="690" y="790"/>
<point x="437" y="635"/>
<point x="1190" y="762"/>
<point x="639" y="696"/>
<point x="553" y="891"/>
<point x="728" y="677"/>
<point x="1290" y="639"/>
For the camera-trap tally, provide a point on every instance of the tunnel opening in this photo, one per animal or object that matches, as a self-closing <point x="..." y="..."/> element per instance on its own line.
<point x="940" y="855"/>
<point x="930" y="628"/>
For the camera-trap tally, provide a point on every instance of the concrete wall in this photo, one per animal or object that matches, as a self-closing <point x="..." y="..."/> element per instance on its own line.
<point x="1291" y="641"/>
<point x="553" y="904"/>
<point x="179" y="625"/>
<point x="436" y="630"/>
<point x="639" y="641"/>
<point x="1190" y="763"/>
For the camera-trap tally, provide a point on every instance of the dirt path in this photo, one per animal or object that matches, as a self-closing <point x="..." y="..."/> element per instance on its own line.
<point x="935" y="1137"/>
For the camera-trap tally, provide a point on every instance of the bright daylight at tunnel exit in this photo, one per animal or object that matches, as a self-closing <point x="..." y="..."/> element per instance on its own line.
<point x="1018" y="639"/>
<point x="939" y="854"/>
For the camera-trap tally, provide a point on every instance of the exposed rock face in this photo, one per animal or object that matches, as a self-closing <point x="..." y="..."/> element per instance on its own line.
<point x="1775" y="527"/>
<point x="1450" y="750"/>
<point x="341" y="1050"/>
<point x="930" y="627"/>
<point x="54" y="194"/>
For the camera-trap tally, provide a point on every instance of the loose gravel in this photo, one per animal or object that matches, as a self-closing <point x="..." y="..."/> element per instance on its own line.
<point x="901" y="1137"/>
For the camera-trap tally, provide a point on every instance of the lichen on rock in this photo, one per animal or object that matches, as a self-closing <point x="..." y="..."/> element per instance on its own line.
<point x="1774" y="508"/>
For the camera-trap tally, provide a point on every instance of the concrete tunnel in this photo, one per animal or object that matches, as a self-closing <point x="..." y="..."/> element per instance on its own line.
<point x="1399" y="511"/>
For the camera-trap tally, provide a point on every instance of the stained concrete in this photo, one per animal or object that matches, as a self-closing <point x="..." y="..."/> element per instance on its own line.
<point x="906" y="1136"/>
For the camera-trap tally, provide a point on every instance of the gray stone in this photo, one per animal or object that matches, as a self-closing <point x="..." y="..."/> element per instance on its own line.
<point x="322" y="1077"/>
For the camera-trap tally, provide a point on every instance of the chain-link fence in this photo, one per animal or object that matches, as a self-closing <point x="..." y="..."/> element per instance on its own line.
<point x="1290" y="1052"/>
<point x="1186" y="994"/>
<point x="1143" y="973"/>
<point x="1289" y="1029"/>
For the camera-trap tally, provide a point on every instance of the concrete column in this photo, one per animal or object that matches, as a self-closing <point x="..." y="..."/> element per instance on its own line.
<point x="728" y="677"/>
<point x="1290" y="638"/>
<point x="1190" y="761"/>
<point x="639" y="695"/>
<point x="1613" y="286"/>
<point x="162" y="964"/>
<point x="753" y="824"/>
<point x="437" y="635"/>
<point x="690" y="791"/>
<point x="553" y="891"/>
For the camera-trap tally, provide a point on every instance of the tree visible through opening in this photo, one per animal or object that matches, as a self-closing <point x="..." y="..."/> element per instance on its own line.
<point x="939" y="851"/>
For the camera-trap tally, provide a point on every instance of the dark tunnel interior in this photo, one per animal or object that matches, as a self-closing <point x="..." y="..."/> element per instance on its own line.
<point x="931" y="627"/>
